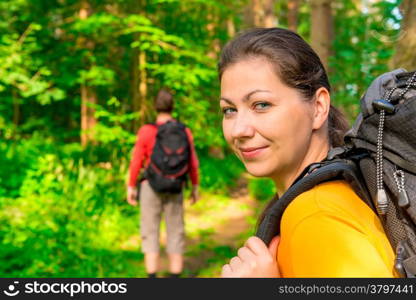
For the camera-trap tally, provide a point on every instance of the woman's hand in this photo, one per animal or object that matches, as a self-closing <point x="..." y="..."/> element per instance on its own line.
<point x="255" y="259"/>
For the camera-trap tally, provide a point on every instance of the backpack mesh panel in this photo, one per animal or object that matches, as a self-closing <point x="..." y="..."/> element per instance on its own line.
<point x="397" y="223"/>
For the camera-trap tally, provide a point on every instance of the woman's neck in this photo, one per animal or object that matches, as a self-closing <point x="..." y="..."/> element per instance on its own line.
<point x="318" y="151"/>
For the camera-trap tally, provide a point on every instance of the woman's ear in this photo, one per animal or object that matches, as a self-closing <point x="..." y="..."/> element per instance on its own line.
<point x="321" y="104"/>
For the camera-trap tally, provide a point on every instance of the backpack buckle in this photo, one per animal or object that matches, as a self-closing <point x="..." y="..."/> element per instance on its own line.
<point x="381" y="104"/>
<point x="333" y="152"/>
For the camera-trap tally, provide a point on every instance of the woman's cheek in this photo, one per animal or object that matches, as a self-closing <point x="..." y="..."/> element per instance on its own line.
<point x="226" y="132"/>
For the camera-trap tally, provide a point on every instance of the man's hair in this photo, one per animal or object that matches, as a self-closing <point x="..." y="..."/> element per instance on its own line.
<point x="164" y="101"/>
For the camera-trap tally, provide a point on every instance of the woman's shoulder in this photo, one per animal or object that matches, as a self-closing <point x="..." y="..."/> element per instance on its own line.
<point x="331" y="216"/>
<point x="334" y="198"/>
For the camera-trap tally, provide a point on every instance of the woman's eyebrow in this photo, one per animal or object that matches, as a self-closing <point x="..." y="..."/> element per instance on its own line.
<point x="226" y="100"/>
<point x="246" y="97"/>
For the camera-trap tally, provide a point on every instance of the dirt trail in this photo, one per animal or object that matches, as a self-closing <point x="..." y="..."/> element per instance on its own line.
<point x="231" y="223"/>
<point x="216" y="228"/>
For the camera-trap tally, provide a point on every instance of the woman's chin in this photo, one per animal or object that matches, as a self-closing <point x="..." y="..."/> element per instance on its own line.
<point x="258" y="172"/>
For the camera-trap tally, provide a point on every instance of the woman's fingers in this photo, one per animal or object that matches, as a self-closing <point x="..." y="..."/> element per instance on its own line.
<point x="274" y="244"/>
<point x="245" y="254"/>
<point x="235" y="263"/>
<point x="256" y="245"/>
<point x="233" y="268"/>
<point x="248" y="257"/>
<point x="226" y="271"/>
<point x="254" y="259"/>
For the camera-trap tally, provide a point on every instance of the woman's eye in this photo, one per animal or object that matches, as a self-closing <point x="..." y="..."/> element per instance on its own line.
<point x="228" y="111"/>
<point x="261" y="105"/>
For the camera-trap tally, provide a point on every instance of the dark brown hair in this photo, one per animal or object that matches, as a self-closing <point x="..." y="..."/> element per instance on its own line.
<point x="295" y="63"/>
<point x="164" y="101"/>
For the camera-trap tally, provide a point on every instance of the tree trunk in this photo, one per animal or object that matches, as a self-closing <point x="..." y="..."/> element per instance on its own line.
<point x="257" y="12"/>
<point x="230" y="27"/>
<point x="252" y="14"/>
<point x="88" y="121"/>
<point x="144" y="103"/>
<point x="135" y="84"/>
<point x="211" y="28"/>
<point x="292" y="14"/>
<point x="260" y="13"/>
<point x="16" y="112"/>
<point x="88" y="95"/>
<point x="269" y="19"/>
<point x="322" y="29"/>
<point x="404" y="56"/>
<point x="140" y="102"/>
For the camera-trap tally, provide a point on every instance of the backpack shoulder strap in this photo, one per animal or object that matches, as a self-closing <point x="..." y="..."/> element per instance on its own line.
<point x="315" y="174"/>
<point x="180" y="124"/>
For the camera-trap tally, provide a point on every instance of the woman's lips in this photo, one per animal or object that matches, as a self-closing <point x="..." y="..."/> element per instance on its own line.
<point x="252" y="152"/>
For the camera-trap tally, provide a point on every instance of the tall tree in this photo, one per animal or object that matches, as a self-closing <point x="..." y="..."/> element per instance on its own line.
<point x="321" y="29"/>
<point x="140" y="93"/>
<point x="405" y="48"/>
<point x="88" y="94"/>
<point x="142" y="88"/>
<point x="292" y="14"/>
<point x="260" y="13"/>
<point x="211" y="28"/>
<point x="269" y="18"/>
<point x="230" y="27"/>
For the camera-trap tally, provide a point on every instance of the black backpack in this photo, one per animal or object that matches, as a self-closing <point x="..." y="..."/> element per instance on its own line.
<point x="169" y="162"/>
<point x="378" y="161"/>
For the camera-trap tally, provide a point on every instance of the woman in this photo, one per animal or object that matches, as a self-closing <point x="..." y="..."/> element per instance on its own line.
<point x="275" y="98"/>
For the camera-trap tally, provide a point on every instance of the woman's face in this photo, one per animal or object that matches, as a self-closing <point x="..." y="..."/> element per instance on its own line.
<point x="266" y="123"/>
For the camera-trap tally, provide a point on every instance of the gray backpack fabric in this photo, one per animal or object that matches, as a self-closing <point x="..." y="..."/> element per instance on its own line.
<point x="378" y="161"/>
<point x="386" y="129"/>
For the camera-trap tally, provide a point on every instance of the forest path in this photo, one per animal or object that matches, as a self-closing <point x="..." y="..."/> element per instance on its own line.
<point x="215" y="234"/>
<point x="216" y="226"/>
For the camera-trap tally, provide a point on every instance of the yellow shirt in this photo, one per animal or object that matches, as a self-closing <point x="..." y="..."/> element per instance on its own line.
<point x="329" y="231"/>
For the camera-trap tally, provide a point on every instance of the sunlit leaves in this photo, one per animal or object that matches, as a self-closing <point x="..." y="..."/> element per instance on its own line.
<point x="361" y="50"/>
<point x="97" y="76"/>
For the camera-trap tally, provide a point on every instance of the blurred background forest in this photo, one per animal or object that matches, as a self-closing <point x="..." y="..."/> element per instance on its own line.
<point x="77" y="79"/>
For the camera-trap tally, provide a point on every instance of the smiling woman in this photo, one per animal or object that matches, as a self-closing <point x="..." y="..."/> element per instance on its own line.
<point x="262" y="126"/>
<point x="275" y="98"/>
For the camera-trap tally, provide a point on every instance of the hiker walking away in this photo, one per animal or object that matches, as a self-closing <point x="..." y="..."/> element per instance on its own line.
<point x="166" y="152"/>
<point x="278" y="119"/>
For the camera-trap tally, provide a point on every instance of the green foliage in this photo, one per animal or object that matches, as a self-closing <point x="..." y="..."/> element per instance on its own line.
<point x="21" y="75"/>
<point x="65" y="211"/>
<point x="97" y="76"/>
<point x="262" y="189"/>
<point x="219" y="175"/>
<point x="109" y="131"/>
<point x="363" y="44"/>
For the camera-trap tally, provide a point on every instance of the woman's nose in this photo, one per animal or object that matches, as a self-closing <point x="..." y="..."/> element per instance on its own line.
<point x="242" y="127"/>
